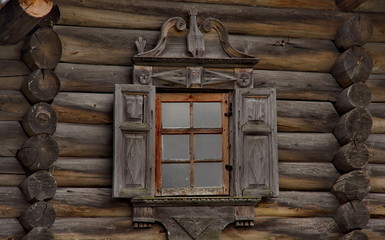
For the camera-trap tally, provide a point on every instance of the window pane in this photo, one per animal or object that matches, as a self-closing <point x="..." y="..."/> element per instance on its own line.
<point x="175" y="175"/>
<point x="207" y="115"/>
<point x="208" y="175"/>
<point x="208" y="146"/>
<point x="175" y="147"/>
<point x="175" y="115"/>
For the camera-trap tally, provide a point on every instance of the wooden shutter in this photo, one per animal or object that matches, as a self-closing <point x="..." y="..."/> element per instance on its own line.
<point x="134" y="148"/>
<point x="256" y="157"/>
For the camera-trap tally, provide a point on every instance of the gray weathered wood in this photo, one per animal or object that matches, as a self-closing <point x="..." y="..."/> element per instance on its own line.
<point x="134" y="153"/>
<point x="18" y="18"/>
<point x="40" y="118"/>
<point x="12" y="202"/>
<point x="377" y="110"/>
<point x="355" y="125"/>
<point x="13" y="105"/>
<point x="351" y="216"/>
<point x="39" y="152"/>
<point x="352" y="156"/>
<point x="39" y="233"/>
<point x="355" y="235"/>
<point x="348" y="5"/>
<point x="354" y="185"/>
<point x="355" y="32"/>
<point x="11" y="228"/>
<point x="42" y="50"/>
<point x="42" y="86"/>
<point x="39" y="214"/>
<point x="377" y="51"/>
<point x="11" y="172"/>
<point x="356" y="95"/>
<point x="13" y="51"/>
<point x="354" y="65"/>
<point x="377" y="177"/>
<point x="40" y="186"/>
<point x="253" y="151"/>
<point x="376" y="146"/>
<point x="12" y="137"/>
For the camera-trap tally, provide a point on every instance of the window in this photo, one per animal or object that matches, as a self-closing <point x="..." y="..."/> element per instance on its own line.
<point x="192" y="144"/>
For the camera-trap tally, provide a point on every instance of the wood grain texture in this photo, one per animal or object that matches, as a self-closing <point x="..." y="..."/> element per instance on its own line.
<point x="12" y="137"/>
<point x="376" y="146"/>
<point x="357" y="95"/>
<point x="377" y="177"/>
<point x="117" y="47"/>
<point x="351" y="216"/>
<point x="377" y="50"/>
<point x="348" y="5"/>
<point x="377" y="110"/>
<point x="11" y="51"/>
<point x="11" y="228"/>
<point x="12" y="68"/>
<point x="297" y="23"/>
<point x="376" y="83"/>
<point x="41" y="118"/>
<point x="12" y="202"/>
<point x="13" y="105"/>
<point x="11" y="172"/>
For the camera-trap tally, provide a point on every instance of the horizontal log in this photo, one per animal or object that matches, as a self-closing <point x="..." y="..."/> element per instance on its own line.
<point x="82" y="140"/>
<point x="12" y="202"/>
<point x="113" y="45"/>
<point x="11" y="51"/>
<point x="289" y="84"/>
<point x="11" y="228"/>
<point x="376" y="83"/>
<point x="355" y="235"/>
<point x="376" y="146"/>
<point x="377" y="50"/>
<point x="83" y="172"/>
<point x="39" y="233"/>
<point x="12" y="68"/>
<point x="377" y="177"/>
<point x="348" y="5"/>
<point x="11" y="172"/>
<point x="377" y="110"/>
<point x="12" y="83"/>
<point x="371" y="6"/>
<point x="13" y="105"/>
<point x="260" y="21"/>
<point x="307" y="147"/>
<point x="12" y="137"/>
<point x="92" y="108"/>
<point x="307" y="176"/>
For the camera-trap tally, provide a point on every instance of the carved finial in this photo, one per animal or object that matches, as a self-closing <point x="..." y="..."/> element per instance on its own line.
<point x="140" y="44"/>
<point x="195" y="40"/>
<point x="246" y="46"/>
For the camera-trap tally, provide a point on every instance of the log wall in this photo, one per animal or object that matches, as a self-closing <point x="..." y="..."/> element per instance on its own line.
<point x="295" y="45"/>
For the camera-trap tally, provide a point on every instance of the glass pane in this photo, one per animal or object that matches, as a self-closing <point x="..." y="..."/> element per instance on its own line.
<point x="208" y="146"/>
<point x="175" y="147"/>
<point x="207" y="115"/>
<point x="175" y="175"/>
<point x="175" y="115"/>
<point x="208" y="175"/>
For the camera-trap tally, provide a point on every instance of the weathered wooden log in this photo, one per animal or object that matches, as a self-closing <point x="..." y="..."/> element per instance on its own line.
<point x="42" y="50"/>
<point x="18" y="18"/>
<point x="83" y="172"/>
<point x="39" y="233"/>
<point x="10" y="68"/>
<point x="11" y="228"/>
<point x="307" y="176"/>
<point x="13" y="105"/>
<point x="319" y="55"/>
<point x="355" y="235"/>
<point x="11" y="172"/>
<point x="352" y="156"/>
<point x="354" y="65"/>
<point x="12" y="202"/>
<point x="376" y="146"/>
<point x="355" y="96"/>
<point x="41" y="86"/>
<point x="352" y="186"/>
<point x="51" y="18"/>
<point x="355" y="125"/>
<point x="40" y="118"/>
<point x="12" y="137"/>
<point x="11" y="52"/>
<point x="38" y="152"/>
<point x="40" y="186"/>
<point x="377" y="177"/>
<point x="39" y="214"/>
<point x="348" y="5"/>
<point x="355" y="32"/>
<point x="297" y="116"/>
<point x="377" y="50"/>
<point x="351" y="216"/>
<point x="260" y="21"/>
<point x="377" y="110"/>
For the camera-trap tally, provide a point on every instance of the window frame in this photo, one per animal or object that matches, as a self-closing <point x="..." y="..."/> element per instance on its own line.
<point x="192" y="97"/>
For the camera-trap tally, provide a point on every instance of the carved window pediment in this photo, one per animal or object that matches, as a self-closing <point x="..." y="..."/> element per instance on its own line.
<point x="196" y="59"/>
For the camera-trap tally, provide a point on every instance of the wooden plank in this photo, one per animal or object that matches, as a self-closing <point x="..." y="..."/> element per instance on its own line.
<point x="82" y="140"/>
<point x="104" y="228"/>
<point x="377" y="177"/>
<point x="91" y="78"/>
<point x="376" y="83"/>
<point x="13" y="105"/>
<point x="114" y="45"/>
<point x="83" y="172"/>
<point x="252" y="20"/>
<point x="376" y="146"/>
<point x="12" y="137"/>
<point x="307" y="176"/>
<point x="84" y="108"/>
<point x="11" y="172"/>
<point x="307" y="147"/>
<point x="11" y="229"/>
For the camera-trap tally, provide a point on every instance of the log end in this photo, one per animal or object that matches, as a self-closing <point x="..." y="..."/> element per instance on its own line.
<point x="36" y="8"/>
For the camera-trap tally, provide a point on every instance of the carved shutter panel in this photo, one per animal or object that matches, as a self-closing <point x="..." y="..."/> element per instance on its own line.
<point x="134" y="137"/>
<point x="256" y="156"/>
